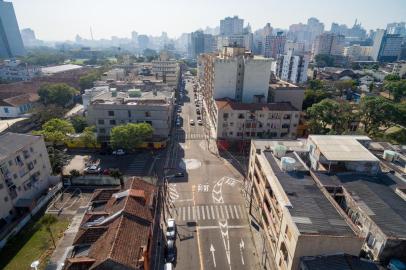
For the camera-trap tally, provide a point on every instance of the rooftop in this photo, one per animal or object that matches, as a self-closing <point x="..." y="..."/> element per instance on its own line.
<point x="60" y="68"/>
<point x="234" y="105"/>
<point x="19" y="100"/>
<point x="337" y="262"/>
<point x="279" y="84"/>
<point x="343" y="148"/>
<point x="375" y="195"/>
<point x="309" y="208"/>
<point x="13" y="142"/>
<point x="146" y="97"/>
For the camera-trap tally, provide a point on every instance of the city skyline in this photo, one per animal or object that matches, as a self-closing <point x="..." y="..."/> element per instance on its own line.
<point x="105" y="22"/>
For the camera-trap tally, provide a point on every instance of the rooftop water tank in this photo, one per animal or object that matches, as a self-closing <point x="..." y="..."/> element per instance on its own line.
<point x="288" y="164"/>
<point x="389" y="155"/>
<point x="279" y="150"/>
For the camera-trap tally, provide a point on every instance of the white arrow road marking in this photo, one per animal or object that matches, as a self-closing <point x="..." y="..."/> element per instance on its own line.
<point x="226" y="239"/>
<point x="212" y="253"/>
<point x="241" y="248"/>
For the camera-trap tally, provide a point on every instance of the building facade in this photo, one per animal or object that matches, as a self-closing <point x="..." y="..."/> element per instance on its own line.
<point x="24" y="173"/>
<point x="328" y="44"/>
<point x="231" y="26"/>
<point x="11" y="43"/>
<point x="292" y="67"/>
<point x="18" y="105"/>
<point x="357" y="52"/>
<point x="399" y="68"/>
<point x="386" y="47"/>
<point x="274" y="45"/>
<point x="167" y="70"/>
<point x="15" y="70"/>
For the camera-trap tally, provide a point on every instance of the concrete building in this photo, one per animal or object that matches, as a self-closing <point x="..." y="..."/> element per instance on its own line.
<point x="243" y="40"/>
<point x="357" y="52"/>
<point x="196" y="44"/>
<point x="274" y="45"/>
<point x="386" y="47"/>
<point x="328" y="44"/>
<point x="24" y="173"/>
<point x="17" y="105"/>
<point x="117" y="229"/>
<point x="295" y="216"/>
<point x="231" y="26"/>
<point x="244" y="121"/>
<point x="396" y="29"/>
<point x="282" y="91"/>
<point x="109" y="109"/>
<point x="143" y="42"/>
<point x="292" y="67"/>
<point x="167" y="70"/>
<point x="399" y="68"/>
<point x="15" y="70"/>
<point x="115" y="74"/>
<point x="11" y="43"/>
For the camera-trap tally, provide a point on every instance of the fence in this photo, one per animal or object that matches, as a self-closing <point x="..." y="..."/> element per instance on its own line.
<point x="16" y="229"/>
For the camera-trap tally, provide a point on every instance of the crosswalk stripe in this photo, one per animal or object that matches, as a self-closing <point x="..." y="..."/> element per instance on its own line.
<point x="217" y="212"/>
<point x="236" y="212"/>
<point x="184" y="212"/>
<point x="197" y="212"/>
<point x="231" y="212"/>
<point x="239" y="207"/>
<point x="208" y="212"/>
<point x="222" y="213"/>
<point x="188" y="212"/>
<point x="203" y="215"/>
<point x="194" y="212"/>
<point x="212" y="212"/>
<point x="225" y="206"/>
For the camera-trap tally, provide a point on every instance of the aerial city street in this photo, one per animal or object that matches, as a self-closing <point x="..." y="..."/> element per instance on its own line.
<point x="202" y="135"/>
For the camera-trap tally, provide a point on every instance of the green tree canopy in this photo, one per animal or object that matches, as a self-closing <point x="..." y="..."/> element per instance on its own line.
<point x="56" y="130"/>
<point x="87" y="80"/>
<point x="324" y="60"/>
<point x="88" y="137"/>
<point x="130" y="135"/>
<point x="330" y="116"/>
<point x="397" y="89"/>
<point x="377" y="113"/>
<point x="392" y="77"/>
<point x="315" y="84"/>
<point x="341" y="86"/>
<point x="57" y="93"/>
<point x="79" y="123"/>
<point x="314" y="96"/>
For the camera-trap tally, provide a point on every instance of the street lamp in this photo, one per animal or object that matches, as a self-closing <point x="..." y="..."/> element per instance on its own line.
<point x="35" y="265"/>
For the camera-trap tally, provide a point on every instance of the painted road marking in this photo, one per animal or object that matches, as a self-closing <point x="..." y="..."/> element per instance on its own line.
<point x="222" y="213"/>
<point x="236" y="212"/>
<point x="188" y="212"/>
<point x="228" y="217"/>
<point x="231" y="211"/>
<point x="203" y="215"/>
<point x="211" y="212"/>
<point x="208" y="212"/>
<point x="217" y="212"/>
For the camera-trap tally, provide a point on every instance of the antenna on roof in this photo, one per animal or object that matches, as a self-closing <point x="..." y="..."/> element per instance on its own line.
<point x="91" y="33"/>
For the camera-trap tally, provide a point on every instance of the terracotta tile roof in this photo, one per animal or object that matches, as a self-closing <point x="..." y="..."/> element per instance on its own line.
<point x="103" y="194"/>
<point x="19" y="100"/>
<point x="238" y="106"/>
<point x="122" y="238"/>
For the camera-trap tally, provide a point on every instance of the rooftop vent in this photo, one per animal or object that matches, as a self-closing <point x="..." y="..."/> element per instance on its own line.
<point x="288" y="164"/>
<point x="279" y="150"/>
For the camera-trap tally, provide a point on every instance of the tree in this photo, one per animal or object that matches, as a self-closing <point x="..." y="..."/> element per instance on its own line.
<point x="341" y="86"/>
<point x="74" y="173"/>
<point x="314" y="96"/>
<point x="57" y="158"/>
<point x="47" y="221"/>
<point x="330" y="116"/>
<point x="116" y="174"/>
<point x="397" y="89"/>
<point x="150" y="54"/>
<point x="56" y="130"/>
<point x="376" y="113"/>
<point x="392" y="77"/>
<point x="315" y="84"/>
<point x="57" y="93"/>
<point x="88" y="137"/>
<point x="130" y="135"/>
<point x="79" y="123"/>
<point x="87" y="81"/>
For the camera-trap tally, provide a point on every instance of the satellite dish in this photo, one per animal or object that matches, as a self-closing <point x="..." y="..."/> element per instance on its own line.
<point x="35" y="265"/>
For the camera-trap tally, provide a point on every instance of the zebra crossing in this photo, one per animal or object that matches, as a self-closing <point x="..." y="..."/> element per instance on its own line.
<point x="209" y="212"/>
<point x="137" y="167"/>
<point x="191" y="136"/>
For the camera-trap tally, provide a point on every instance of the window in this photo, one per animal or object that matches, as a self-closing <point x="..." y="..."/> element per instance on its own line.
<point x="230" y="133"/>
<point x="225" y="115"/>
<point x="6" y="199"/>
<point x="112" y="122"/>
<point x="32" y="150"/>
<point x="286" y="116"/>
<point x="231" y="124"/>
<point x="111" y="113"/>
<point x="100" y="121"/>
<point x="129" y="114"/>
<point x="102" y="130"/>
<point x="241" y="116"/>
<point x="10" y="163"/>
<point x="147" y="114"/>
<point x="6" y="110"/>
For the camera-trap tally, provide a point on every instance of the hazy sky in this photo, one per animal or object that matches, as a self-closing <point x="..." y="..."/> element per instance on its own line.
<point x="63" y="19"/>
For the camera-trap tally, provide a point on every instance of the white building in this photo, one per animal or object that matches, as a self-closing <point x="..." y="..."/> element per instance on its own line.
<point x="243" y="40"/>
<point x="328" y="44"/>
<point x="231" y="26"/>
<point x="167" y="70"/>
<point x="243" y="121"/>
<point x="16" y="106"/>
<point x="399" y="68"/>
<point x="292" y="67"/>
<point x="115" y="74"/>
<point x="15" y="70"/>
<point x="357" y="52"/>
<point x="24" y="173"/>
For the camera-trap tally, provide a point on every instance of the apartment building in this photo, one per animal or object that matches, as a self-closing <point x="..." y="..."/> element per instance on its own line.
<point x="295" y="216"/>
<point x="328" y="44"/>
<point x="111" y="108"/>
<point x="15" y="70"/>
<point x="24" y="173"/>
<point x="167" y="70"/>
<point x="17" y="105"/>
<point x="244" y="121"/>
<point x="386" y="47"/>
<point x="116" y="231"/>
<point x="282" y="91"/>
<point x="358" y="53"/>
<point x="274" y="45"/>
<point x="399" y="68"/>
<point x="333" y="174"/>
<point x="292" y="67"/>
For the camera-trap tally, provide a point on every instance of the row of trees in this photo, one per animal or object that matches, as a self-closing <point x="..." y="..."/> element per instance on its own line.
<point x="59" y="94"/>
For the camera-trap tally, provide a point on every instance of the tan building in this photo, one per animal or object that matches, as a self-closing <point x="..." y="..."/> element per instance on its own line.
<point x="295" y="215"/>
<point x="24" y="173"/>
<point x="244" y="121"/>
<point x="282" y="91"/>
<point x="167" y="70"/>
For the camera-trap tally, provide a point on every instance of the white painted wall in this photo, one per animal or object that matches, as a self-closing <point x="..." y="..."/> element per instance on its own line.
<point x="256" y="79"/>
<point x="225" y="78"/>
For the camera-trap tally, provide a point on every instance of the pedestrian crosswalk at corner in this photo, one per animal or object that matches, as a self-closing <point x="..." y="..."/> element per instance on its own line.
<point x="208" y="212"/>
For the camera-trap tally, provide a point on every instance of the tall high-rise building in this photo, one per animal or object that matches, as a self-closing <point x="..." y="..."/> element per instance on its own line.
<point x="196" y="43"/>
<point x="328" y="44"/>
<point x="396" y="29"/>
<point x="231" y="26"/>
<point x="11" y="43"/>
<point x="28" y="36"/>
<point x="134" y="36"/>
<point x="292" y="66"/>
<point x="274" y="45"/>
<point x="387" y="47"/>
<point x="143" y="41"/>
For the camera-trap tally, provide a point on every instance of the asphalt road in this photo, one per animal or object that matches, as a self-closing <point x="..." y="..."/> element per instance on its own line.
<point x="213" y="226"/>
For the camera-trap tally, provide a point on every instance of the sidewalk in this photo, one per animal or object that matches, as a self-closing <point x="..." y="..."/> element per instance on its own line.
<point x="65" y="243"/>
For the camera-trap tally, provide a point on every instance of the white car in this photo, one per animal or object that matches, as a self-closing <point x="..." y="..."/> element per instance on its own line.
<point x="119" y="152"/>
<point x="168" y="266"/>
<point x="93" y="169"/>
<point x="192" y="122"/>
<point x="171" y="229"/>
<point x="200" y="122"/>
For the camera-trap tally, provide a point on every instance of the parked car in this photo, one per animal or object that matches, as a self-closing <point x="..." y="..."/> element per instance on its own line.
<point x="168" y="266"/>
<point x="179" y="110"/>
<point x="179" y="174"/>
<point x="192" y="122"/>
<point x="119" y="152"/>
<point x="170" y="251"/>
<point x="93" y="169"/>
<point x="171" y="229"/>
<point x="106" y="171"/>
<point x="200" y="122"/>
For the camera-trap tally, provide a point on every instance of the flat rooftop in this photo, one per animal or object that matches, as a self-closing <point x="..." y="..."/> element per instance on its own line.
<point x="343" y="148"/>
<point x="60" y="68"/>
<point x="13" y="142"/>
<point x="309" y="208"/>
<point x="375" y="195"/>
<point x="279" y="84"/>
